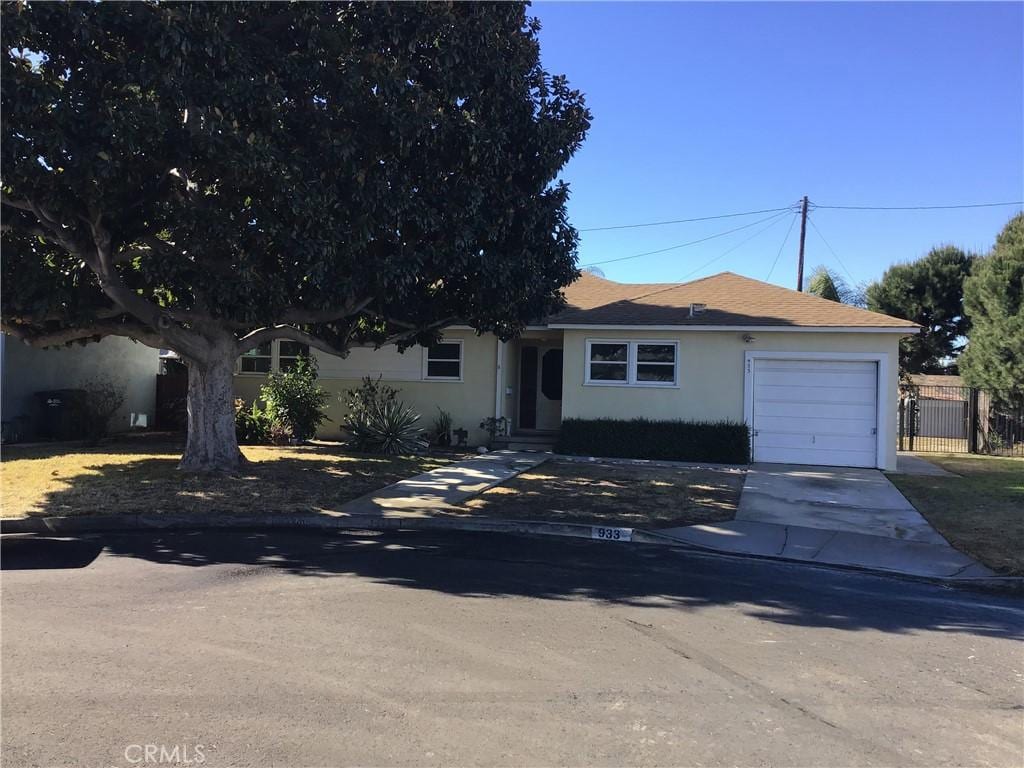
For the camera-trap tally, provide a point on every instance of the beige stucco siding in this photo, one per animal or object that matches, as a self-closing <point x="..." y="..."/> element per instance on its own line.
<point x="27" y="370"/>
<point x="468" y="401"/>
<point x="711" y="374"/>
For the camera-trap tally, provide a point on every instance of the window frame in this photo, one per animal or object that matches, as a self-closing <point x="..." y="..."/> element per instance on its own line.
<point x="278" y="356"/>
<point x="632" y="346"/>
<point x="272" y="357"/>
<point x="461" y="360"/>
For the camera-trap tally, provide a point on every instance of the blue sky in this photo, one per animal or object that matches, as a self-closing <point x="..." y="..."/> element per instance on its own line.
<point x="709" y="108"/>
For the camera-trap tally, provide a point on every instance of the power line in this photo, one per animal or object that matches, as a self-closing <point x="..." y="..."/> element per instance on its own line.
<point x="913" y="207"/>
<point x="685" y="221"/>
<point x="827" y="245"/>
<point x="685" y="245"/>
<point x="725" y="253"/>
<point x="784" y="241"/>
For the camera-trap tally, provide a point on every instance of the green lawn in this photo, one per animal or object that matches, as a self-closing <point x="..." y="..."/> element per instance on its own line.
<point x="141" y="476"/>
<point x="981" y="512"/>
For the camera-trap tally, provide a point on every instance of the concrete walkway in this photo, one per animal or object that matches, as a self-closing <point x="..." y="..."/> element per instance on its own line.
<point x="838" y="516"/>
<point x="441" y="489"/>
<point x="909" y="464"/>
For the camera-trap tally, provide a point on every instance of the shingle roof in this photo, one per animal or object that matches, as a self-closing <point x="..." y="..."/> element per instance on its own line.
<point x="731" y="300"/>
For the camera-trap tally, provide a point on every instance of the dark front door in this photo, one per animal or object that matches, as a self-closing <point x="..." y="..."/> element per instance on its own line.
<point x="528" y="388"/>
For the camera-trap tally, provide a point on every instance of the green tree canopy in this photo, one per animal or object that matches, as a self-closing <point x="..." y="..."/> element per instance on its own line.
<point x="211" y="176"/>
<point x="994" y="300"/>
<point x="929" y="292"/>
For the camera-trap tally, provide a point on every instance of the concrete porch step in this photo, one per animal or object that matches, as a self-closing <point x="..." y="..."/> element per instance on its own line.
<point x="514" y="445"/>
<point x="527" y="441"/>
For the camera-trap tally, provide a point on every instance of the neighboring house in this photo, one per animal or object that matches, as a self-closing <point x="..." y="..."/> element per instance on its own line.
<point x="24" y="371"/>
<point x="815" y="380"/>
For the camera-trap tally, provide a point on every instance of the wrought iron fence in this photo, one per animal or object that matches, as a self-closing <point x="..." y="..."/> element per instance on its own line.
<point x="954" y="419"/>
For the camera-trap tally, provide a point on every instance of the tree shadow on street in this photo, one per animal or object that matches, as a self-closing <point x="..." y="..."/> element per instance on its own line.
<point x="491" y="566"/>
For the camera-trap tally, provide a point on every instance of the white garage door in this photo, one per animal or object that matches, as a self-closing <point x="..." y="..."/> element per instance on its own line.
<point x="815" y="412"/>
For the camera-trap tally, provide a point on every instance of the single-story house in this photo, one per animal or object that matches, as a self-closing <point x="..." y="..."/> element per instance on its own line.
<point x="816" y="381"/>
<point x="26" y="371"/>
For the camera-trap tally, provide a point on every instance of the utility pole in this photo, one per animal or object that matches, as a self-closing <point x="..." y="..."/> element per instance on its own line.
<point x="803" y="235"/>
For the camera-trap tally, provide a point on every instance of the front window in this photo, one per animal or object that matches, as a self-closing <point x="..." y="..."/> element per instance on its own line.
<point x="444" y="361"/>
<point x="288" y="354"/>
<point x="632" y="363"/>
<point x="256" y="360"/>
<point x="609" y="362"/>
<point x="656" y="363"/>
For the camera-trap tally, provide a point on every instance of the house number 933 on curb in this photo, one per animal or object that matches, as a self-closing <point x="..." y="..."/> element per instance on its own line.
<point x="611" y="534"/>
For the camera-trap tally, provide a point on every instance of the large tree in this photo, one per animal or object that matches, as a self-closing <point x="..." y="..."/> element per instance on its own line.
<point x="208" y="177"/>
<point x="994" y="300"/>
<point x="929" y="292"/>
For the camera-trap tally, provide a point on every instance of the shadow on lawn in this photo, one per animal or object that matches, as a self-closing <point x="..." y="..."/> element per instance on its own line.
<point x="300" y="479"/>
<point x="605" y="493"/>
<point x="488" y="566"/>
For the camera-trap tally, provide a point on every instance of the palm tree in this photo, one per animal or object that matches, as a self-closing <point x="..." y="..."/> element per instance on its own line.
<point x="830" y="285"/>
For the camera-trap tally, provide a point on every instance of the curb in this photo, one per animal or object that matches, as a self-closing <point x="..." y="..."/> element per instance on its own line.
<point x="142" y="522"/>
<point x="1013" y="585"/>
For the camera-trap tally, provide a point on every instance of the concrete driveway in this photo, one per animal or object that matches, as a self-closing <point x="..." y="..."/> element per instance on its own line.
<point x="835" y="498"/>
<point x="832" y="515"/>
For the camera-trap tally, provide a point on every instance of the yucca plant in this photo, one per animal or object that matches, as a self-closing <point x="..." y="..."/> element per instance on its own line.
<point x="442" y="430"/>
<point x="390" y="427"/>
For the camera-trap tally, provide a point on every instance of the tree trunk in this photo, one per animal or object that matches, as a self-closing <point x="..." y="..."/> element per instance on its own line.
<point x="212" y="445"/>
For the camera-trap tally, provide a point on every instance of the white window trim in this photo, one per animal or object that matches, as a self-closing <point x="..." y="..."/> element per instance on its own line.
<point x="275" y="360"/>
<point x="462" y="362"/>
<point x="276" y="352"/>
<point x="258" y="374"/>
<point x="631" y="364"/>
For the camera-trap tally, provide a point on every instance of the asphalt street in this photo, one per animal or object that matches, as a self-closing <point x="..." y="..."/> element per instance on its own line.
<point x="380" y="649"/>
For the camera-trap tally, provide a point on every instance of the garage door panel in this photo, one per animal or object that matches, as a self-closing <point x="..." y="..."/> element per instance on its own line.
<point x="808" y="394"/>
<point x="823" y="442"/>
<point x="786" y="424"/>
<point x="815" y="412"/>
<point x="823" y="458"/>
<point x="815" y="366"/>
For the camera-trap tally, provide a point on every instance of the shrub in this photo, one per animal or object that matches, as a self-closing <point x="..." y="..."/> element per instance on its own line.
<point x="252" y="425"/>
<point x="280" y="433"/>
<point x="494" y="426"/>
<point x="720" y="442"/>
<point x="389" y="427"/>
<point x="364" y="399"/>
<point x="441" y="432"/>
<point x="295" y="400"/>
<point x="102" y="399"/>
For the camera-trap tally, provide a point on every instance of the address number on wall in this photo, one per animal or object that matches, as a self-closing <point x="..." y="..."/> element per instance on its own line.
<point x="611" y="534"/>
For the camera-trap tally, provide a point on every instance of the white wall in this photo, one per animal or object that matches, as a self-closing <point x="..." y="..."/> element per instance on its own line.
<point x="711" y="375"/>
<point x="27" y="370"/>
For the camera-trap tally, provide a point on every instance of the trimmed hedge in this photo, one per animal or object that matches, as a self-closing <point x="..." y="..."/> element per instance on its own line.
<point x="721" y="442"/>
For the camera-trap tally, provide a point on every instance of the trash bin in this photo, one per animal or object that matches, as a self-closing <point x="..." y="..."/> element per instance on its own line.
<point x="61" y="414"/>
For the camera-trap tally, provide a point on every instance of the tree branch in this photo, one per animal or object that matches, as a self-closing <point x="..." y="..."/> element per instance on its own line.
<point x="405" y="335"/>
<point x="312" y="317"/>
<point x="184" y="341"/>
<point x="135" y="331"/>
<point x="263" y="335"/>
<point x="21" y="205"/>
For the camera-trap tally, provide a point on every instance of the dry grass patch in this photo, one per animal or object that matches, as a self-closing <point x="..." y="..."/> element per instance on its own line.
<point x="132" y="477"/>
<point x="562" y="491"/>
<point x="981" y="512"/>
